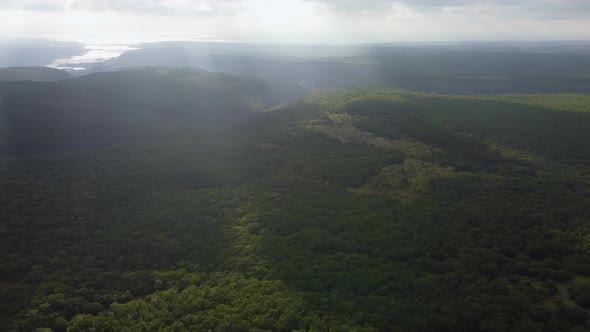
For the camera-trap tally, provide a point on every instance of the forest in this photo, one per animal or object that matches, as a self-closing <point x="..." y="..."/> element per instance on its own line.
<point x="160" y="199"/>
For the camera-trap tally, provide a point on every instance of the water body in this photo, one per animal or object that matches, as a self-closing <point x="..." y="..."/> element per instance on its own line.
<point x="94" y="54"/>
<point x="100" y="48"/>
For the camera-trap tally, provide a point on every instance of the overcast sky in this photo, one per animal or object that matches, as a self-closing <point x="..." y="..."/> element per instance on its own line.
<point x="299" y="20"/>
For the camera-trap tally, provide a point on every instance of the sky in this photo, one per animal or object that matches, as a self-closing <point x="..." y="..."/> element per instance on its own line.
<point x="297" y="21"/>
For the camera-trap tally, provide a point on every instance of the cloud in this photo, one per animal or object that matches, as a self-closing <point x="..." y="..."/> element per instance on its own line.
<point x="303" y="20"/>
<point x="162" y="7"/>
<point x="155" y="7"/>
<point x="540" y="9"/>
<point x="33" y="5"/>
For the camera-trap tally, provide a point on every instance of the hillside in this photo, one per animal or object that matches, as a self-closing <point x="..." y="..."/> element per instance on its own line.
<point x="36" y="74"/>
<point x="349" y="210"/>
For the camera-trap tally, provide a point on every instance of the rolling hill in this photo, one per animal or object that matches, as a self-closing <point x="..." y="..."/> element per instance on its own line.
<point x="134" y="104"/>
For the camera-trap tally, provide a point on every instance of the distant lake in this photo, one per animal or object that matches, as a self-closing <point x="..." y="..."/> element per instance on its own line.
<point x="94" y="54"/>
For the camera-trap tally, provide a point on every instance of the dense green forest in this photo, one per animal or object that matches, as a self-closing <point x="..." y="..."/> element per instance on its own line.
<point x="171" y="200"/>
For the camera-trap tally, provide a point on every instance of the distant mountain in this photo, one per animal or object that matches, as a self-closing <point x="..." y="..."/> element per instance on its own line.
<point x="22" y="52"/>
<point x="461" y="68"/>
<point x="35" y="74"/>
<point x="139" y="103"/>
